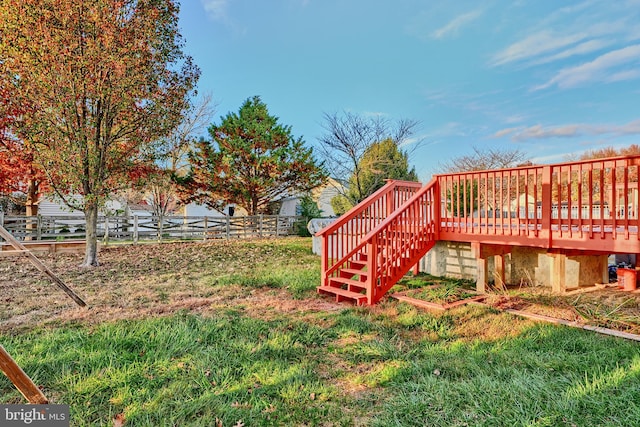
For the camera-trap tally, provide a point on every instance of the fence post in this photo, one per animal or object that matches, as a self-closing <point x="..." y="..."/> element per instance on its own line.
<point x="160" y="229"/>
<point x="105" y="238"/>
<point x="277" y="225"/>
<point x="135" y="229"/>
<point x="260" y="225"/>
<point x="206" y="226"/>
<point x="39" y="227"/>
<point x="228" y="227"/>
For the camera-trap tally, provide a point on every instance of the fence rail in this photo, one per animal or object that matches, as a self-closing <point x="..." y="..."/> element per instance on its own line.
<point x="137" y="228"/>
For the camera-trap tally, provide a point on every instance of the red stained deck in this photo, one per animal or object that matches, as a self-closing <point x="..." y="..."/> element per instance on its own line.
<point x="586" y="207"/>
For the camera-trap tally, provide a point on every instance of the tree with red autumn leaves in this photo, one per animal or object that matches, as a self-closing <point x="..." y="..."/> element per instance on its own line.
<point x="251" y="161"/>
<point x="21" y="179"/>
<point x="105" y="80"/>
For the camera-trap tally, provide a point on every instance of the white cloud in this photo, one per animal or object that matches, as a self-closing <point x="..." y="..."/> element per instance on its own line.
<point x="217" y="9"/>
<point x="578" y="29"/>
<point x="454" y="26"/>
<point x="538" y="132"/>
<point x="624" y="75"/>
<point x="504" y="132"/>
<point x="542" y="42"/>
<point x="600" y="69"/>
<point x="580" y="49"/>
<point x="568" y="131"/>
<point x="630" y="128"/>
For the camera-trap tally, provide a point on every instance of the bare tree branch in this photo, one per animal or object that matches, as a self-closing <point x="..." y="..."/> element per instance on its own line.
<point x="348" y="136"/>
<point x="485" y="159"/>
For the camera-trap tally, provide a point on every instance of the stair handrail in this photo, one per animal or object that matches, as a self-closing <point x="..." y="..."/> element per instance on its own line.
<point x="401" y="209"/>
<point x="331" y="258"/>
<point x="376" y="290"/>
<point x="365" y="204"/>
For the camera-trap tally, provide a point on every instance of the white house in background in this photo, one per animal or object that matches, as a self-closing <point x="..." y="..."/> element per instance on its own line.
<point x="321" y="195"/>
<point x="194" y="209"/>
<point x="51" y="207"/>
<point x="290" y="206"/>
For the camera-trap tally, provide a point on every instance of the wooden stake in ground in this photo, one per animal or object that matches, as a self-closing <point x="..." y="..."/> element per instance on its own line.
<point x="40" y="266"/>
<point x="21" y="380"/>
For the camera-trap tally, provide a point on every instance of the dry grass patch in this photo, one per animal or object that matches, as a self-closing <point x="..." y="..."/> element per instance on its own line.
<point x="605" y="306"/>
<point x="135" y="281"/>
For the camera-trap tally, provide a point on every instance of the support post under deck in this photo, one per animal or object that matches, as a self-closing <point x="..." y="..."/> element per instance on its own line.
<point x="482" y="253"/>
<point x="482" y="267"/>
<point x="481" y="278"/>
<point x="558" y="271"/>
<point x="498" y="261"/>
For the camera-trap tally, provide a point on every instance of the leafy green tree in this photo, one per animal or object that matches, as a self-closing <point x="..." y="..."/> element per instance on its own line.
<point x="381" y="161"/>
<point x="106" y="79"/>
<point x="251" y="161"/>
<point x="308" y="210"/>
<point x="340" y="204"/>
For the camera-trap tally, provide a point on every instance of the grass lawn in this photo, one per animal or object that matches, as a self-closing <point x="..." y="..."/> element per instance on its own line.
<point x="232" y="334"/>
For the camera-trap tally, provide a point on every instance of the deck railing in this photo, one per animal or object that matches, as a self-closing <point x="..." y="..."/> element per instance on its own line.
<point x="589" y="205"/>
<point x="575" y="201"/>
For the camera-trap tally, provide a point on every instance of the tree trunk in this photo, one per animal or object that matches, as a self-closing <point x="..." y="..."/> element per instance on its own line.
<point x="91" y="248"/>
<point x="32" y="198"/>
<point x="31" y="205"/>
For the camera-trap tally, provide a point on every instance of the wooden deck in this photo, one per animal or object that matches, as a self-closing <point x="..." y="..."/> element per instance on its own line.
<point x="587" y="208"/>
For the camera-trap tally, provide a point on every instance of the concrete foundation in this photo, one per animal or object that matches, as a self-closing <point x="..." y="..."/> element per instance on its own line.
<point x="515" y="265"/>
<point x="450" y="259"/>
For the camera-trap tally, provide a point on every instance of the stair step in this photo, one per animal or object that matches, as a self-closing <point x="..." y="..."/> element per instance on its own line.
<point x="342" y="294"/>
<point x="354" y="272"/>
<point x="351" y="283"/>
<point x="356" y="264"/>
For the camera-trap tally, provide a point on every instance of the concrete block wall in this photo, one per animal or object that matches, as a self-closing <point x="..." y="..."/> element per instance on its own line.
<point x="450" y="259"/>
<point x="524" y="265"/>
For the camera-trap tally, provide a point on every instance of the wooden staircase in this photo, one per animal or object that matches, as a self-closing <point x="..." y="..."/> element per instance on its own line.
<point x="367" y="250"/>
<point x="350" y="283"/>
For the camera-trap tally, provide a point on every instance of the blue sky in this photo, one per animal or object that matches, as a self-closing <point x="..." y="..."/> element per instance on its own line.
<point x="549" y="77"/>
